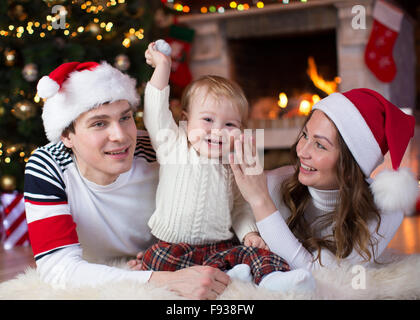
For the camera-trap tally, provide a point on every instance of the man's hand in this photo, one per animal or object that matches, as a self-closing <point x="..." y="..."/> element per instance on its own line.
<point x="253" y="239"/>
<point x="198" y="282"/>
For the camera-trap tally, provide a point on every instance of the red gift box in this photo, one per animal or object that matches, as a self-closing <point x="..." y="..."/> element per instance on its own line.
<point x="15" y="228"/>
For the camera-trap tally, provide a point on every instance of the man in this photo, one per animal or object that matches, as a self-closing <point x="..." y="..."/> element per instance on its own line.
<point x="90" y="192"/>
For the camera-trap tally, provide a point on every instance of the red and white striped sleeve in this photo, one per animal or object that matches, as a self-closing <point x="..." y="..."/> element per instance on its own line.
<point x="50" y="223"/>
<point x="51" y="228"/>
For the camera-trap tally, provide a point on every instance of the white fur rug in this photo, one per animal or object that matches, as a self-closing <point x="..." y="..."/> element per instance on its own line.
<point x="398" y="279"/>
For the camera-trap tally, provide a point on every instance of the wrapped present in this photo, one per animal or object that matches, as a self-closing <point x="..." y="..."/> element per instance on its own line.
<point x="14" y="226"/>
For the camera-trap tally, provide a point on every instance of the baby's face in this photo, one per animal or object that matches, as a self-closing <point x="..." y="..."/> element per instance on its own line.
<point x="212" y="124"/>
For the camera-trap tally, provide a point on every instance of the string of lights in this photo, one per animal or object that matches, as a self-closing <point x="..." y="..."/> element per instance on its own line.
<point x="35" y="35"/>
<point x="220" y="7"/>
<point x="96" y="27"/>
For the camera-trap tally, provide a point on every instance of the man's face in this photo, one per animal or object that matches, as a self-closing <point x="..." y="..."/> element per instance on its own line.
<point x="103" y="142"/>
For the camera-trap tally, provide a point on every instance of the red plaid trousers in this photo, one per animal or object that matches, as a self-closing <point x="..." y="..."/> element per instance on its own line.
<point x="165" y="256"/>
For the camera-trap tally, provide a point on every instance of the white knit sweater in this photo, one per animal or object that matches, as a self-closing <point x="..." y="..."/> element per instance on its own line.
<point x="197" y="199"/>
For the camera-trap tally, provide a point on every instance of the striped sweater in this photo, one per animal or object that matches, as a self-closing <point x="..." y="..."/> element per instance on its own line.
<point x="72" y="220"/>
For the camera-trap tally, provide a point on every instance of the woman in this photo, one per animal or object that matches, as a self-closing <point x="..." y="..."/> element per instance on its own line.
<point x="324" y="208"/>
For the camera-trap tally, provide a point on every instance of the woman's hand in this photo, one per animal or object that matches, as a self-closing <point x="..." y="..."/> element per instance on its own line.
<point x="250" y="177"/>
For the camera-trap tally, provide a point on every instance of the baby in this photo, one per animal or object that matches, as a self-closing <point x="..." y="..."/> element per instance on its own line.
<point x="198" y="202"/>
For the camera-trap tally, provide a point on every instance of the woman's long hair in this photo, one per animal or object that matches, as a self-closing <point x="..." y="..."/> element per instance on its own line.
<point x="350" y="218"/>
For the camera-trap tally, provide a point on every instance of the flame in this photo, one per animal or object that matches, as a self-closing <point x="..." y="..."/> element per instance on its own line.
<point x="327" y="86"/>
<point x="315" y="98"/>
<point x="307" y="103"/>
<point x="282" y="100"/>
<point x="305" y="107"/>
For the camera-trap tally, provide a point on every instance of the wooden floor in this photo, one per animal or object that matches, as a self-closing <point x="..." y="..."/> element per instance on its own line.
<point x="407" y="238"/>
<point x="16" y="260"/>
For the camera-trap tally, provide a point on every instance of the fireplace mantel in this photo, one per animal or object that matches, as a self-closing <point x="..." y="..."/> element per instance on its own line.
<point x="268" y="9"/>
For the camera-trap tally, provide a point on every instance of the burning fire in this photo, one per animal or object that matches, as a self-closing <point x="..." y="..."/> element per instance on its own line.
<point x="305" y="106"/>
<point x="327" y="86"/>
<point x="282" y="100"/>
<point x="308" y="100"/>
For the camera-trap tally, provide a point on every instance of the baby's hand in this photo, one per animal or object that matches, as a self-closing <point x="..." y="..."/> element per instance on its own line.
<point x="253" y="239"/>
<point x="155" y="57"/>
<point x="163" y="46"/>
<point x="135" y="264"/>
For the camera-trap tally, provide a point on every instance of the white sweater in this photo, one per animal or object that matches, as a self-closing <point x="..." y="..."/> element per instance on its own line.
<point x="281" y="240"/>
<point x="197" y="199"/>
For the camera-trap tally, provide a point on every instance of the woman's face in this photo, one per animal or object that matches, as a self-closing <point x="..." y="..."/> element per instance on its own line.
<point x="318" y="153"/>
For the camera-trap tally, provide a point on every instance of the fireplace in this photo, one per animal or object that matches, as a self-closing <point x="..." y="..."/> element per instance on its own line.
<point x="265" y="67"/>
<point x="326" y="21"/>
<point x="242" y="46"/>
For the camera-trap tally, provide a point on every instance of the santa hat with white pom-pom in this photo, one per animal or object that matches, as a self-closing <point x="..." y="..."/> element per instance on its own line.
<point x="74" y="88"/>
<point x="371" y="126"/>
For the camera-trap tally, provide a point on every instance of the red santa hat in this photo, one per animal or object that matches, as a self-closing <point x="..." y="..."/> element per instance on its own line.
<point x="74" y="88"/>
<point x="371" y="126"/>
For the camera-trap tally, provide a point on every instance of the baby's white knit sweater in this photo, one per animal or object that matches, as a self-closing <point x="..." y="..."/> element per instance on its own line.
<point x="197" y="199"/>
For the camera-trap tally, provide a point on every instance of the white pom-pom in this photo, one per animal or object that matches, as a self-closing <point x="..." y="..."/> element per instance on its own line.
<point x="164" y="47"/>
<point x="47" y="87"/>
<point x="395" y="191"/>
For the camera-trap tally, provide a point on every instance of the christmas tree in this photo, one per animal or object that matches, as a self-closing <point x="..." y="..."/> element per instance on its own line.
<point x="38" y="35"/>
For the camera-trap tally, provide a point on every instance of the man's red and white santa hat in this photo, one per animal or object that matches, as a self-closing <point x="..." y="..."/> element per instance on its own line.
<point x="371" y="126"/>
<point x="74" y="88"/>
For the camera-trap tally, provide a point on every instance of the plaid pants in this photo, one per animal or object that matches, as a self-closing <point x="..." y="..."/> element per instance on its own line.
<point x="165" y="256"/>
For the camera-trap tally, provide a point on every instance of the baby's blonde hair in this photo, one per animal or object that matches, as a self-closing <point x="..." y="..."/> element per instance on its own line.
<point x="217" y="87"/>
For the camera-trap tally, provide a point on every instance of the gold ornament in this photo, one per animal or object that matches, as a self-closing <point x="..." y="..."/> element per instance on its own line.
<point x="122" y="62"/>
<point x="10" y="56"/>
<point x="7" y="183"/>
<point x="30" y="72"/>
<point x="93" y="28"/>
<point x="24" y="110"/>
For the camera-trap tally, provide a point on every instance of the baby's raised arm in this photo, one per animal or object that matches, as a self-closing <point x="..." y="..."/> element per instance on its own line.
<point x="157" y="116"/>
<point x="160" y="61"/>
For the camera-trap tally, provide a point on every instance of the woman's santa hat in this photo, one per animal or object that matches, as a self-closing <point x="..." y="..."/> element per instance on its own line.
<point x="371" y="126"/>
<point x="74" y="88"/>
